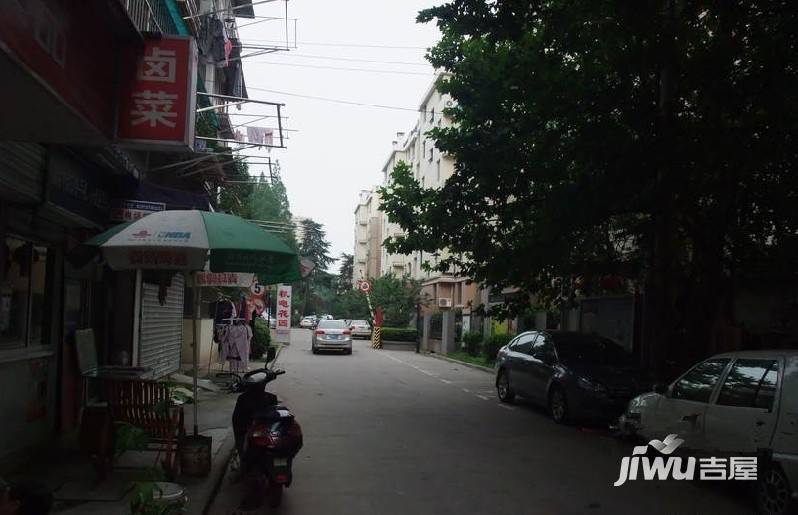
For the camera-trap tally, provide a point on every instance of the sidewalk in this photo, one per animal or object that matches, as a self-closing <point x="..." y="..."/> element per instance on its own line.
<point x="489" y="370"/>
<point x="69" y="474"/>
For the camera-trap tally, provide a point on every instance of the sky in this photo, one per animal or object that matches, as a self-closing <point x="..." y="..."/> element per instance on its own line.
<point x="335" y="150"/>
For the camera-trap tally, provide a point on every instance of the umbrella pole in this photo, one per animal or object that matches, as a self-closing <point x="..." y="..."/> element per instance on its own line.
<point x="195" y="292"/>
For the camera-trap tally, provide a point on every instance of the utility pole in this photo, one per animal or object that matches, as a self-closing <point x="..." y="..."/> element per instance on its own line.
<point x="658" y="314"/>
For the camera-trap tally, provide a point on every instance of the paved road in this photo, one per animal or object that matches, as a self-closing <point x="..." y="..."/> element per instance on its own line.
<point x="392" y="432"/>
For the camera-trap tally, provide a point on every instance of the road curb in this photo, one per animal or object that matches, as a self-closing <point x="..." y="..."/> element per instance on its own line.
<point x="201" y="495"/>
<point x="457" y="361"/>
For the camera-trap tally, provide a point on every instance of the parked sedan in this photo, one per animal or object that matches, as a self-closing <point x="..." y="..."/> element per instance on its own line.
<point x="738" y="403"/>
<point x="360" y="328"/>
<point x="332" y="335"/>
<point x="308" y="322"/>
<point x="574" y="375"/>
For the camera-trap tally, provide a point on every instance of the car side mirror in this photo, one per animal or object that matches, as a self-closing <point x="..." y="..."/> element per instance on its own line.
<point x="660" y="388"/>
<point x="271" y="353"/>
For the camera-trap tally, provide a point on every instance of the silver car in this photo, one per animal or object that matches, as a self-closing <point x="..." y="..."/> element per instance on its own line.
<point x="360" y="328"/>
<point x="332" y="335"/>
<point x="734" y="404"/>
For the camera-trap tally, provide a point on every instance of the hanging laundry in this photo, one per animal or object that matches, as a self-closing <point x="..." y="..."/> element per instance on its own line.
<point x="260" y="135"/>
<point x="238" y="135"/>
<point x="217" y="38"/>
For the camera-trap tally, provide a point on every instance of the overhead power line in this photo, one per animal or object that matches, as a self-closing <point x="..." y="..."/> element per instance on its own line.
<point x="352" y="59"/>
<point x="335" y="100"/>
<point x="354" y="45"/>
<point x="322" y="67"/>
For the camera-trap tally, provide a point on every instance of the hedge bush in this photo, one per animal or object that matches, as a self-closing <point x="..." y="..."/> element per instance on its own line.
<point x="491" y="346"/>
<point x="472" y="342"/>
<point x="260" y="340"/>
<point x="399" y="334"/>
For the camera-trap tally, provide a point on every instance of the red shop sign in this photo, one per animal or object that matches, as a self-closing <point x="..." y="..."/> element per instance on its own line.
<point x="157" y="107"/>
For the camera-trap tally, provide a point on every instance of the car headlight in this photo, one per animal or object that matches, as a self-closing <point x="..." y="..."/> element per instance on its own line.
<point x="590" y="385"/>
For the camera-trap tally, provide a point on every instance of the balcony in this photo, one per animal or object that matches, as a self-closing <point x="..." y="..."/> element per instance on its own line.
<point x="149" y="16"/>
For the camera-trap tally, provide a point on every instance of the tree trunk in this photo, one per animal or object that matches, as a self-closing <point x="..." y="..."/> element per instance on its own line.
<point x="659" y="315"/>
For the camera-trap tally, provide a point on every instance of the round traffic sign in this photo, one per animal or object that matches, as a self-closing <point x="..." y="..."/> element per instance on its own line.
<point x="365" y="286"/>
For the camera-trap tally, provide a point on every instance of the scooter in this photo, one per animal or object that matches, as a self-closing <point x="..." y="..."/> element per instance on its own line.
<point x="267" y="437"/>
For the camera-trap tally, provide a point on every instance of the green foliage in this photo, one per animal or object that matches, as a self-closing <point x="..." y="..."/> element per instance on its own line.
<point x="260" y="340"/>
<point x="314" y="245"/>
<point x="492" y="345"/>
<point x="397" y="297"/>
<point x="350" y="305"/>
<point x="266" y="200"/>
<point x="399" y="334"/>
<point x="143" y="500"/>
<point x="128" y="437"/>
<point x="345" y="272"/>
<point x="614" y="138"/>
<point x="472" y="342"/>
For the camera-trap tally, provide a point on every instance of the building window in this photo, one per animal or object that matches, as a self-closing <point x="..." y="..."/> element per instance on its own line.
<point x="438" y="170"/>
<point x="432" y="115"/>
<point x="431" y="151"/>
<point x="24" y="288"/>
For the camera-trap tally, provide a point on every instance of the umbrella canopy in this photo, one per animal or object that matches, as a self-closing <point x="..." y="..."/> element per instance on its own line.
<point x="185" y="240"/>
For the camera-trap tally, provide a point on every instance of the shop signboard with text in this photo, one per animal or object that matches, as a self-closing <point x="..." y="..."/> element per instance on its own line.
<point x="132" y="210"/>
<point x="283" y="313"/>
<point x="157" y="104"/>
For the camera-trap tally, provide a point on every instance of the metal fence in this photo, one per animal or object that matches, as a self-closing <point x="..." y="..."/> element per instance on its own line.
<point x="150" y="16"/>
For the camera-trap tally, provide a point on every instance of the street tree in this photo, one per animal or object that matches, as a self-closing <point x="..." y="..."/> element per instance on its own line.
<point x="652" y="140"/>
<point x="315" y="246"/>
<point x="345" y="272"/>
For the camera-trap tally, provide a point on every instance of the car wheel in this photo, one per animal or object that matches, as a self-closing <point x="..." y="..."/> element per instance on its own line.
<point x="774" y="495"/>
<point x="348" y="351"/>
<point x="314" y="350"/>
<point x="558" y="405"/>
<point x="503" y="389"/>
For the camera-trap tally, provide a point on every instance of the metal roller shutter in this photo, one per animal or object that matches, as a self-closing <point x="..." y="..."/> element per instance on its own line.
<point x="21" y="172"/>
<point x="161" y="333"/>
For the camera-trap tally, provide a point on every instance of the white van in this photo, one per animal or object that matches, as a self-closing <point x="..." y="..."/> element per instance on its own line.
<point x="737" y="403"/>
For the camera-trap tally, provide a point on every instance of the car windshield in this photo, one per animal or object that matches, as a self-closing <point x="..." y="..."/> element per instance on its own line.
<point x="590" y="349"/>
<point x="332" y="324"/>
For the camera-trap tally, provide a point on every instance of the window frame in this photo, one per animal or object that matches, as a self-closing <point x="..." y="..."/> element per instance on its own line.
<point x="544" y="340"/>
<point x="715" y="388"/>
<point x="779" y="372"/>
<point x="25" y="348"/>
<point x="516" y="343"/>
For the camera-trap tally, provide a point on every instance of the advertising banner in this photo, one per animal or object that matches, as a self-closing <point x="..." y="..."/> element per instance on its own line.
<point x="225" y="279"/>
<point x="283" y="313"/>
<point x="131" y="210"/>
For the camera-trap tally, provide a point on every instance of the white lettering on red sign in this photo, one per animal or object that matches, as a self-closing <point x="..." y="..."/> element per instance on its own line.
<point x="158" y="66"/>
<point x="153" y="107"/>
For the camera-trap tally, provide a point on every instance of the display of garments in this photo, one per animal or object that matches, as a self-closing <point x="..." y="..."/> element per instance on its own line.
<point x="234" y="346"/>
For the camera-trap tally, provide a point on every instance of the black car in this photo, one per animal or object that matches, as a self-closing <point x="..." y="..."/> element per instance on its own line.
<point x="576" y="376"/>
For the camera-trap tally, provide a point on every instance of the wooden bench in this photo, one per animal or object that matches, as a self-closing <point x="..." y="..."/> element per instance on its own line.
<point x="147" y="405"/>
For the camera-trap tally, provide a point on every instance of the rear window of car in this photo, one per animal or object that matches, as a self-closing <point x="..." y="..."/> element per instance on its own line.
<point x="332" y="324"/>
<point x="359" y="322"/>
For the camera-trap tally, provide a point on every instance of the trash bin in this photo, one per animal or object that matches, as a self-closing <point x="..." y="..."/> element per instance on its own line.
<point x="195" y="455"/>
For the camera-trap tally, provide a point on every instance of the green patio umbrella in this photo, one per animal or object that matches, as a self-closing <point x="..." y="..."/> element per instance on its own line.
<point x="187" y="240"/>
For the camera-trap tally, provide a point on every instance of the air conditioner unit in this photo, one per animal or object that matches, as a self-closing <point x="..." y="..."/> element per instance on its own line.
<point x="444" y="303"/>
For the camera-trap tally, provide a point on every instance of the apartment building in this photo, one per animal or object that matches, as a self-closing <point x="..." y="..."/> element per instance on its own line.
<point x="368" y="229"/>
<point x="431" y="168"/>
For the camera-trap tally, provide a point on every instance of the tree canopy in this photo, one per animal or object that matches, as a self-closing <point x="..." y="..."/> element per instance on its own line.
<point x="656" y="142"/>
